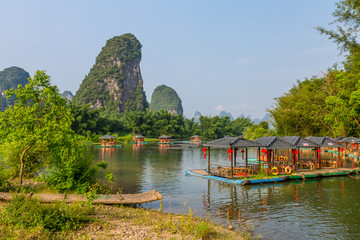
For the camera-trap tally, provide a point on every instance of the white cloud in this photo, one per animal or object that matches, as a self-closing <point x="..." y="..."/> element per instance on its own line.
<point x="219" y="108"/>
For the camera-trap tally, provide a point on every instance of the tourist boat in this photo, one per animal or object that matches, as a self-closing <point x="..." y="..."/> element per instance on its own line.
<point x="164" y="139"/>
<point x="195" y="139"/>
<point x="108" y="141"/>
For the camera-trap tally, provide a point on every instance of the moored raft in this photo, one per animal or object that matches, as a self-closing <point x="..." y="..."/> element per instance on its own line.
<point x="136" y="198"/>
<point x="302" y="175"/>
<point x="202" y="173"/>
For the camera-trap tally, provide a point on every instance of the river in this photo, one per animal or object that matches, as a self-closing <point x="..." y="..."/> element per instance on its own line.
<point x="327" y="208"/>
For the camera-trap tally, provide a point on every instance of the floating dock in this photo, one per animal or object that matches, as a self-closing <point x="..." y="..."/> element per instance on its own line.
<point x="108" y="199"/>
<point x="324" y="172"/>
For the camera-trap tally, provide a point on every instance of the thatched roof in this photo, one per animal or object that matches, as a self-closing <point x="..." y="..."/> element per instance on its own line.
<point x="324" y="141"/>
<point x="227" y="142"/>
<point x="349" y="140"/>
<point x="274" y="143"/>
<point x="108" y="137"/>
<point x="138" y="136"/>
<point x="164" y="137"/>
<point x="300" y="142"/>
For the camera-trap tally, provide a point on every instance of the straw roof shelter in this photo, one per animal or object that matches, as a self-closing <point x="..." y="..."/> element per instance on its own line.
<point x="138" y="136"/>
<point x="108" y="137"/>
<point x="299" y="142"/>
<point x="274" y="142"/>
<point x="327" y="142"/>
<point x="164" y="137"/>
<point x="324" y="141"/>
<point x="349" y="140"/>
<point x="233" y="143"/>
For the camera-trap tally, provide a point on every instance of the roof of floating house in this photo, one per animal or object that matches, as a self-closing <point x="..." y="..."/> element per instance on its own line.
<point x="299" y="142"/>
<point x="164" y="137"/>
<point x="138" y="136"/>
<point x="324" y="141"/>
<point x="349" y="140"/>
<point x="274" y="143"/>
<point x="107" y="137"/>
<point x="195" y="136"/>
<point x="238" y="142"/>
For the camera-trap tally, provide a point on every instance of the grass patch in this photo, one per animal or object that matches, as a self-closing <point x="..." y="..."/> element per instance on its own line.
<point x="29" y="213"/>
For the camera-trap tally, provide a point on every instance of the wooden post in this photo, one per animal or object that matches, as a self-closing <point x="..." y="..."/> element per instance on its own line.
<point x="259" y="158"/>
<point x="246" y="158"/>
<point x="268" y="156"/>
<point x="235" y="155"/>
<point x="298" y="158"/>
<point x="232" y="162"/>
<point x="316" y="158"/>
<point x="208" y="160"/>
<point x="338" y="158"/>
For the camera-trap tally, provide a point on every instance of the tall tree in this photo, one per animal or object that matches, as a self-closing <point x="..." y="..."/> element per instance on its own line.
<point x="40" y="117"/>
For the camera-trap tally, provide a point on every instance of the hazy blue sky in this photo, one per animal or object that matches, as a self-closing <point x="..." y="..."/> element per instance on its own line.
<point x="232" y="55"/>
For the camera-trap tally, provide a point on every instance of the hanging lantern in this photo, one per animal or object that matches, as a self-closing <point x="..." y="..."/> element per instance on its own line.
<point x="263" y="151"/>
<point x="319" y="151"/>
<point x="229" y="151"/>
<point x="204" y="150"/>
<point x="342" y="152"/>
<point x="296" y="154"/>
<point x="352" y="146"/>
<point x="242" y="153"/>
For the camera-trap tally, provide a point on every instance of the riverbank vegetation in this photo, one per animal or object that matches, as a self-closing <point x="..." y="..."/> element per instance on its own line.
<point x="28" y="219"/>
<point x="152" y="124"/>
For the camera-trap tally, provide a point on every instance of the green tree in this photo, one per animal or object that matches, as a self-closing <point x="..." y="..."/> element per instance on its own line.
<point x="347" y="21"/>
<point x="42" y="119"/>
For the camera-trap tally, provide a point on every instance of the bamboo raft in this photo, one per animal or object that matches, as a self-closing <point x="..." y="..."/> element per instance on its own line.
<point x="301" y="174"/>
<point x="149" y="196"/>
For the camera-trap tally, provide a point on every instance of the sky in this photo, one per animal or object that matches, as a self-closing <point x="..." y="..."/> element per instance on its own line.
<point x="233" y="55"/>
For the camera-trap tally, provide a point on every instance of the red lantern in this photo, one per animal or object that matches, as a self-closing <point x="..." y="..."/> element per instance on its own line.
<point x="242" y="153"/>
<point x="296" y="152"/>
<point x="204" y="150"/>
<point x="229" y="151"/>
<point x="319" y="151"/>
<point x="352" y="146"/>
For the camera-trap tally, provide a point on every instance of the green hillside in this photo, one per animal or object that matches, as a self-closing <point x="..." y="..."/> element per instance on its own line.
<point x="166" y="98"/>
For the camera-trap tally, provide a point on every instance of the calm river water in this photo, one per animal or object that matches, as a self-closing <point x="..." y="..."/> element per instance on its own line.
<point x="327" y="208"/>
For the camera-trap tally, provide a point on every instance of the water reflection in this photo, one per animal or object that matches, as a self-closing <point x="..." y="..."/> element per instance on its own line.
<point x="325" y="208"/>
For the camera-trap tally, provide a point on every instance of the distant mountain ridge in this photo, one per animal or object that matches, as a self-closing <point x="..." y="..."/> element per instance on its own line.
<point x="226" y="114"/>
<point x="10" y="78"/>
<point x="67" y="94"/>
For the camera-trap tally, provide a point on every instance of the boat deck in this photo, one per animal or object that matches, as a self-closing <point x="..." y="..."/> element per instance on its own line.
<point x="300" y="174"/>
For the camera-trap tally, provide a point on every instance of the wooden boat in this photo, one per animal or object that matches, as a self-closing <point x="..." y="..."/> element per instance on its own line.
<point x="149" y="196"/>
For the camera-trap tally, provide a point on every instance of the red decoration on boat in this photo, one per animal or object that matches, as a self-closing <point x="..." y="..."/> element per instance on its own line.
<point x="296" y="151"/>
<point x="319" y="150"/>
<point x="229" y="151"/>
<point x="204" y="150"/>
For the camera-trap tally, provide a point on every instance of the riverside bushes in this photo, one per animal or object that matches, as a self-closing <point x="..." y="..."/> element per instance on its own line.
<point x="30" y="214"/>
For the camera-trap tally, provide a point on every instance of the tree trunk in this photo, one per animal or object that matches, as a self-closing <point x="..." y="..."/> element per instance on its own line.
<point x="22" y="165"/>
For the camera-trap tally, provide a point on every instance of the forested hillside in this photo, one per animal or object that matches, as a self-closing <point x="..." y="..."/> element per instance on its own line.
<point x="114" y="83"/>
<point x="166" y="98"/>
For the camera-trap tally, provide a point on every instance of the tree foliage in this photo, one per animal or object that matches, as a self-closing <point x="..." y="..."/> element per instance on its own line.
<point x="328" y="105"/>
<point x="37" y="132"/>
<point x="166" y="98"/>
